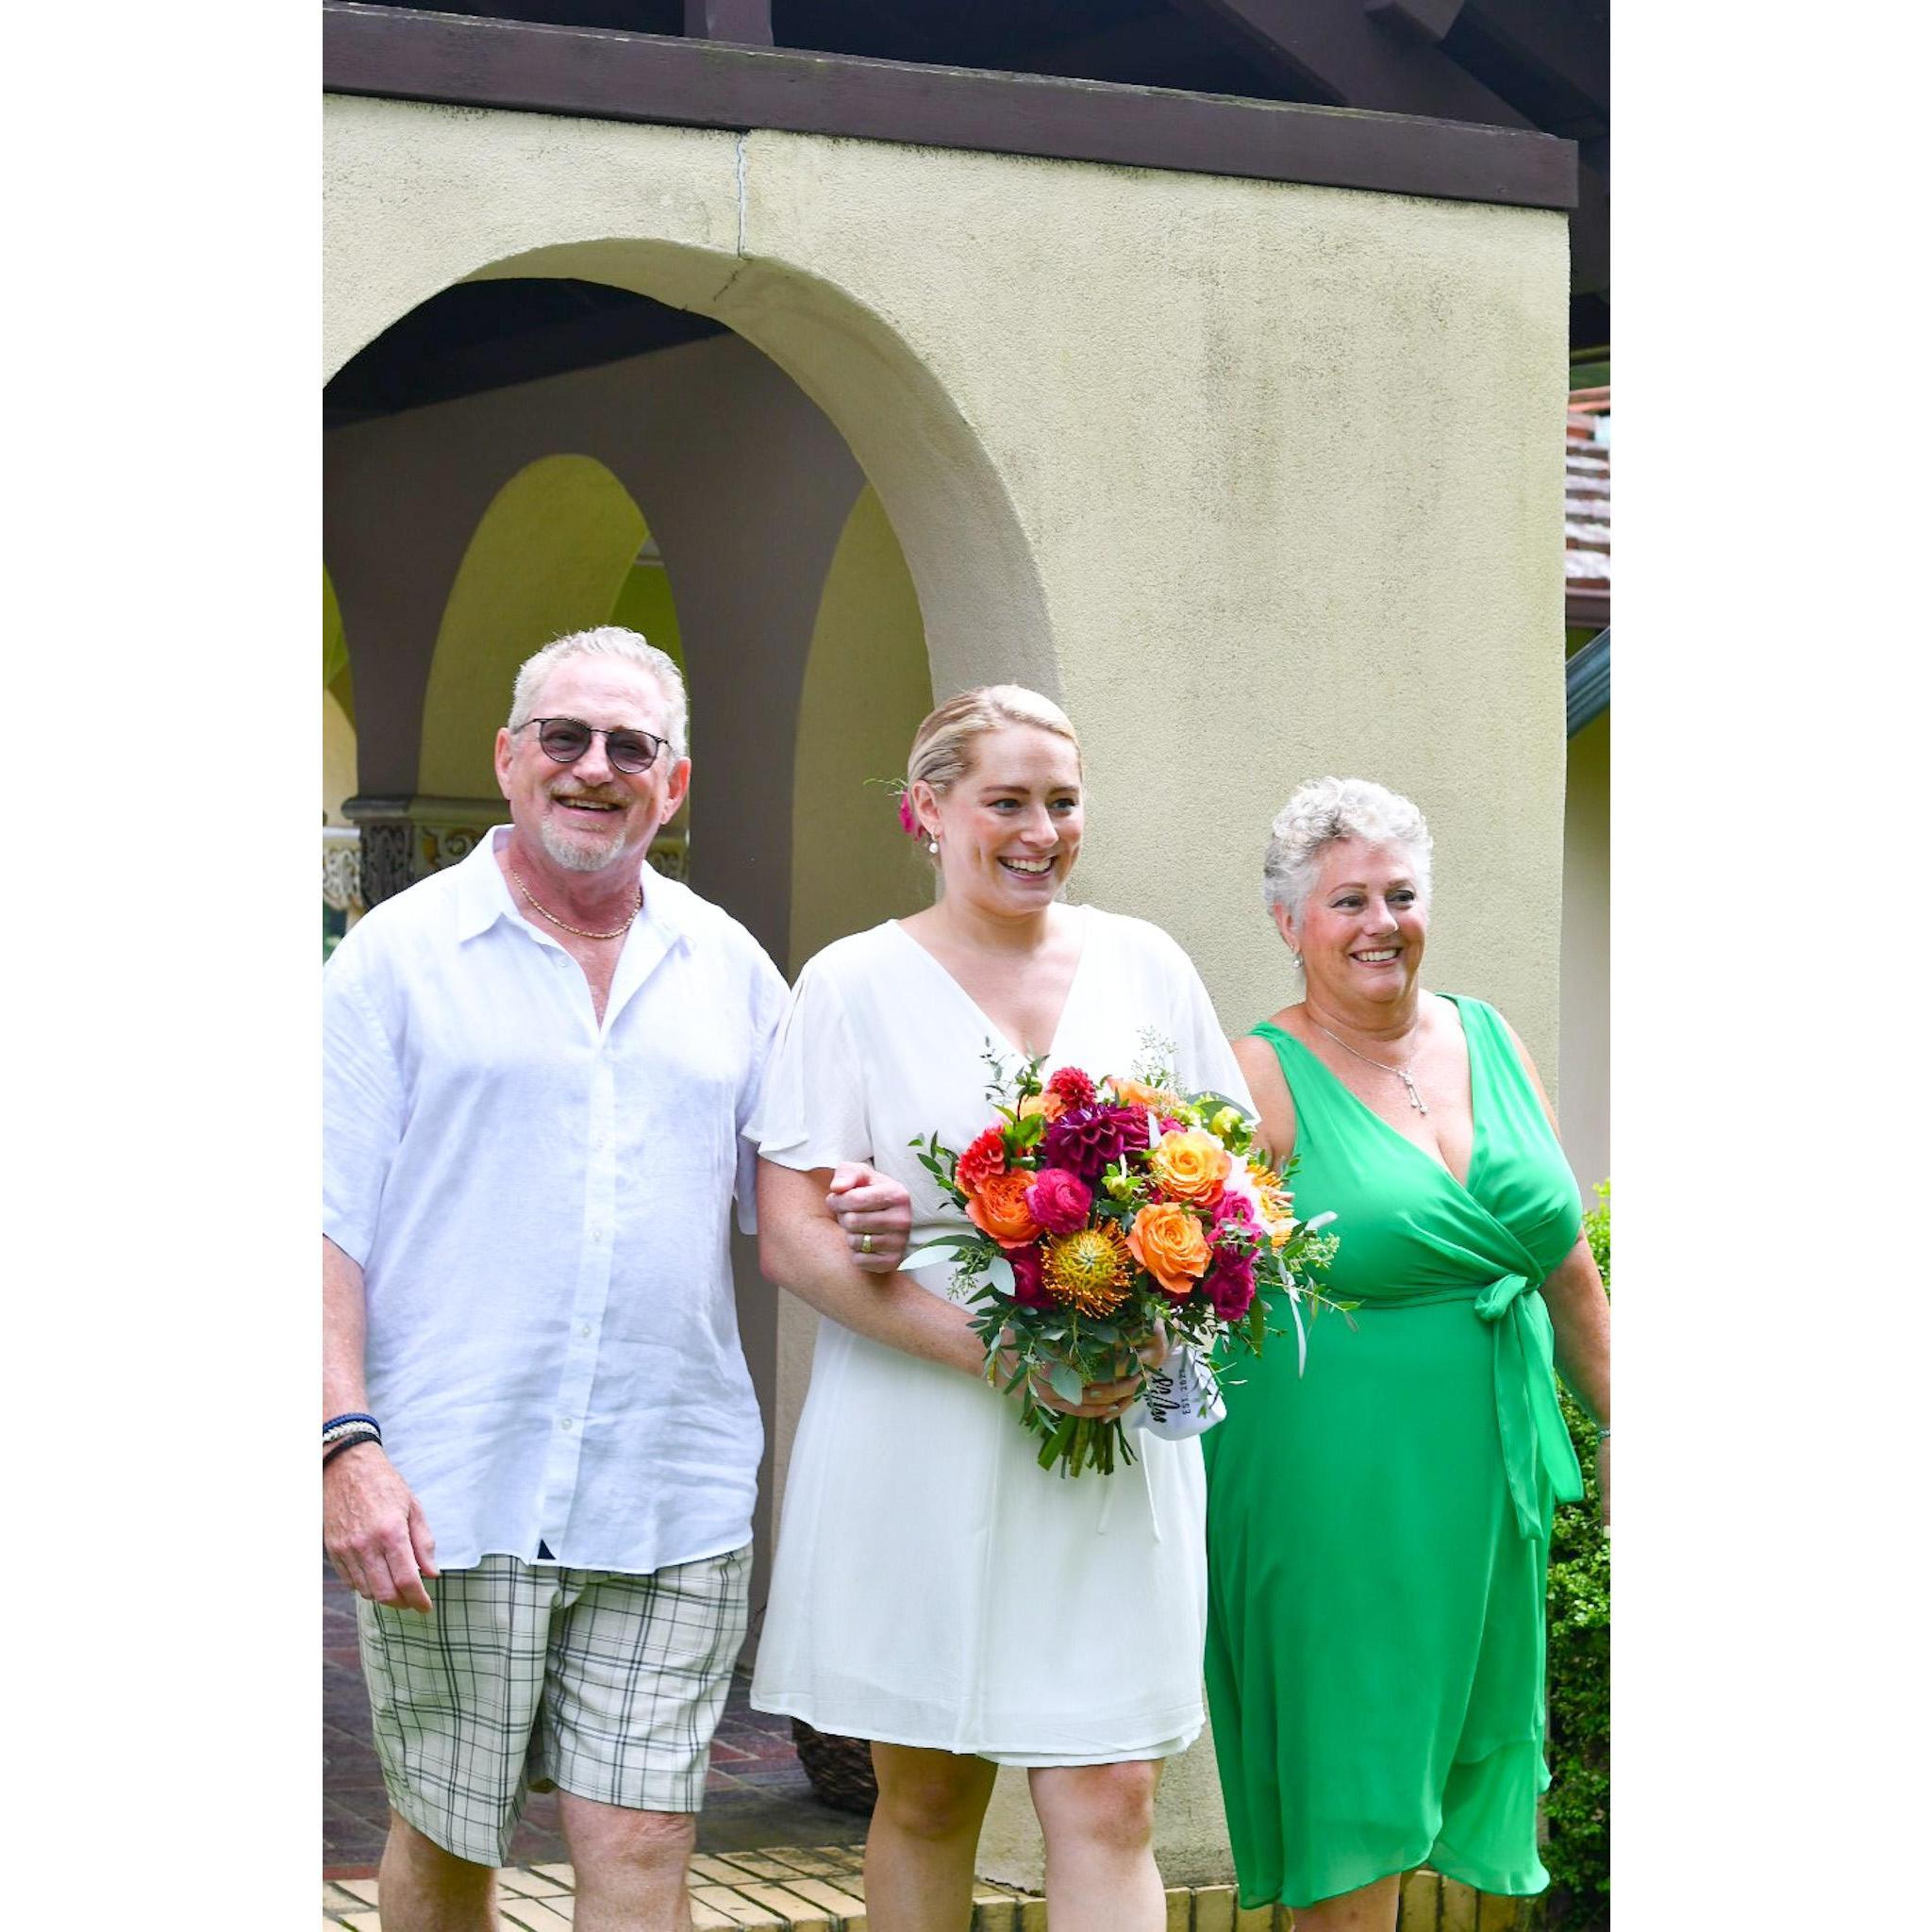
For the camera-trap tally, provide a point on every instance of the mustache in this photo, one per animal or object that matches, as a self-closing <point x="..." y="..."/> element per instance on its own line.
<point x="591" y="793"/>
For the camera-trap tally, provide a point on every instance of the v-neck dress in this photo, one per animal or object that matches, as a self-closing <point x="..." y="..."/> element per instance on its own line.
<point x="1379" y="1528"/>
<point x="933" y="1586"/>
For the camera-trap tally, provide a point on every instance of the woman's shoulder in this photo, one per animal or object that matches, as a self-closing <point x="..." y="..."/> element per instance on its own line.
<point x="1477" y="1015"/>
<point x="1259" y="1057"/>
<point x="1259" y="1050"/>
<point x="857" y="959"/>
<point x="1124" y="935"/>
<point x="1487" y="1025"/>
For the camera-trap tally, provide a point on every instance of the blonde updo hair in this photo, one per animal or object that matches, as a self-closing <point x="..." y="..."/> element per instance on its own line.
<point x="1322" y="811"/>
<point x="942" y="750"/>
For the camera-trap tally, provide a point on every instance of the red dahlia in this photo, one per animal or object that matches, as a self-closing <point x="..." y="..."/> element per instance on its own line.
<point x="986" y="1157"/>
<point x="1072" y="1086"/>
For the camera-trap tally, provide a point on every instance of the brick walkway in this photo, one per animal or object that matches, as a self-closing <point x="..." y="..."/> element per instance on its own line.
<point x="756" y="1794"/>
<point x="817" y="1889"/>
<point x="769" y="1854"/>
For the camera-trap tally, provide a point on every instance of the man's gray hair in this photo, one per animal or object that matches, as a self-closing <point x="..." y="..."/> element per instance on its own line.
<point x="1321" y="811"/>
<point x="607" y="641"/>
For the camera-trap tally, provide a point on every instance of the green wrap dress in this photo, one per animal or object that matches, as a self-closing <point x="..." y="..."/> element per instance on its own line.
<point x="1379" y="1528"/>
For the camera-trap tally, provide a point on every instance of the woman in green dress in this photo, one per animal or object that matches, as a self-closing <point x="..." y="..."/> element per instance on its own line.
<point x="1378" y="1527"/>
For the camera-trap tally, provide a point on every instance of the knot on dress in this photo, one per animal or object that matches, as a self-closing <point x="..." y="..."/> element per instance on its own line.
<point x="1528" y="1416"/>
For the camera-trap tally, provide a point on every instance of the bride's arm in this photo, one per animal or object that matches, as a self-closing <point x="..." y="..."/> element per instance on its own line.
<point x="801" y="1247"/>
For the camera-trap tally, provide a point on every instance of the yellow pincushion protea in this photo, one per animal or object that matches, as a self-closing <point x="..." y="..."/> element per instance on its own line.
<point x="1276" y="1203"/>
<point x="1089" y="1270"/>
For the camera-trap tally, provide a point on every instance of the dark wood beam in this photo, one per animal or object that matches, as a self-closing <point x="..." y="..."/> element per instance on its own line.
<point x="1556" y="40"/>
<point x="1338" y="47"/>
<point x="1587" y="610"/>
<point x="1590" y="234"/>
<point x="748" y="23"/>
<point x="601" y="74"/>
<point x="1425" y="20"/>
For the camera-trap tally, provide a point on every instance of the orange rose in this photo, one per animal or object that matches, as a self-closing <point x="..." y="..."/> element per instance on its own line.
<point x="1191" y="1166"/>
<point x="1132" y="1094"/>
<point x="1168" y="1242"/>
<point x="1048" y="1103"/>
<point x="999" y="1209"/>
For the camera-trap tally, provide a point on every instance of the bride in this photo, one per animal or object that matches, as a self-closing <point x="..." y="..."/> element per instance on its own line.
<point x="935" y="1590"/>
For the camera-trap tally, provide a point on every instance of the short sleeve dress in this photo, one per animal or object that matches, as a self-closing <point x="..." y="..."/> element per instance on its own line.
<point x="1379" y="1528"/>
<point x="932" y="1585"/>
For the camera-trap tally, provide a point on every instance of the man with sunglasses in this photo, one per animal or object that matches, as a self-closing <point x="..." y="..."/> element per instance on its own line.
<point x="540" y="1442"/>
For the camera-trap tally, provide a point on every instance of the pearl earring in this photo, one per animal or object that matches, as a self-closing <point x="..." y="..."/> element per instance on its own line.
<point x="932" y="845"/>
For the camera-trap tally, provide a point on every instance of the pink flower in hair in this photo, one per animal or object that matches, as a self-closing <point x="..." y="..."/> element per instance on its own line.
<point x="908" y="819"/>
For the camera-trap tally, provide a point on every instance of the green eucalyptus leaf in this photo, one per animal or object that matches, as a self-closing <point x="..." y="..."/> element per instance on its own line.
<point x="1065" y="1382"/>
<point x="937" y="1250"/>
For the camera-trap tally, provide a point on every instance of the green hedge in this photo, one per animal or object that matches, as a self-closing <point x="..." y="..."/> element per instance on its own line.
<point x="1578" y="1804"/>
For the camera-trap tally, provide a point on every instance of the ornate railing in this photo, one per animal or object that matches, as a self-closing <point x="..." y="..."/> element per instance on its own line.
<point x="396" y="842"/>
<point x="342" y="870"/>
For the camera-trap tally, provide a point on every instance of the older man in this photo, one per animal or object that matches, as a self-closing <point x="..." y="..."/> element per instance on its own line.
<point x="540" y="1438"/>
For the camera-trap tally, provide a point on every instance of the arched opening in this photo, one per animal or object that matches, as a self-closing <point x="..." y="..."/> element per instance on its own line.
<point x="561" y="547"/>
<point x="550" y="555"/>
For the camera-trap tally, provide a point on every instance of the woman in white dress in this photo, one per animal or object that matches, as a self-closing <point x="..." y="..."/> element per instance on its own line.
<point x="935" y="1590"/>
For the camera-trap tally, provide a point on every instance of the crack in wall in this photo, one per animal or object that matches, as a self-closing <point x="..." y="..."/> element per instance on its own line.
<point x="738" y="169"/>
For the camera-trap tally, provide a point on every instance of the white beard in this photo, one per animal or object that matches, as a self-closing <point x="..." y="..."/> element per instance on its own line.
<point x="575" y="852"/>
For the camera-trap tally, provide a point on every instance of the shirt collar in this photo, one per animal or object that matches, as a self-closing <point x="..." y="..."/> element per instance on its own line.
<point x="483" y="895"/>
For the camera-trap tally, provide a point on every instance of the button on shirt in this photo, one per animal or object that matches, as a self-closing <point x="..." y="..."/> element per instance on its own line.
<point x="540" y="1207"/>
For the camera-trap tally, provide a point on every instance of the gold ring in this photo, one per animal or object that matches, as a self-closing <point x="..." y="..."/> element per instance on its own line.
<point x="865" y="1244"/>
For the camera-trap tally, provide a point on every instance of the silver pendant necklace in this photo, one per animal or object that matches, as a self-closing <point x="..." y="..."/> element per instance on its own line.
<point x="1402" y="1072"/>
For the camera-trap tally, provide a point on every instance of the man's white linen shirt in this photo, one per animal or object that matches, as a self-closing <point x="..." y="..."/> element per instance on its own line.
<point x="540" y="1207"/>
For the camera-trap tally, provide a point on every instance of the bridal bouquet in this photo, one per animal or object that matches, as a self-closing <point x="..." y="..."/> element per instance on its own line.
<point x="1104" y="1211"/>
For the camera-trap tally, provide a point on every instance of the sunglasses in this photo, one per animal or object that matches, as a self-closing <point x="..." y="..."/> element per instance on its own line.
<point x="566" y="740"/>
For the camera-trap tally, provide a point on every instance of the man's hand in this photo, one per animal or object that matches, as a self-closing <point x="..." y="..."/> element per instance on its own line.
<point x="1099" y="1401"/>
<point x="876" y="1214"/>
<point x="375" y="1530"/>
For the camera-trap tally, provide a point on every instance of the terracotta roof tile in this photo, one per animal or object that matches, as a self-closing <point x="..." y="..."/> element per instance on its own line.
<point x="1587" y="492"/>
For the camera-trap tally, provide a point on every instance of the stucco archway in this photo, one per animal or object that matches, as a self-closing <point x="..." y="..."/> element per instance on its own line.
<point x="681" y="242"/>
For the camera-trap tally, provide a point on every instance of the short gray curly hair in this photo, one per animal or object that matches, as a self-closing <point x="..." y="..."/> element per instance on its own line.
<point x="607" y="641"/>
<point x="1319" y="812"/>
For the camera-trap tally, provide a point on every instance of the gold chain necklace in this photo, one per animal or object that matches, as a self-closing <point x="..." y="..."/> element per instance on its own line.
<point x="1401" y="1073"/>
<point x="616" y="933"/>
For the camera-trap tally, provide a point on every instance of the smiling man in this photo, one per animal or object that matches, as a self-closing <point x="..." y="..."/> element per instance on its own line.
<point x="539" y="1441"/>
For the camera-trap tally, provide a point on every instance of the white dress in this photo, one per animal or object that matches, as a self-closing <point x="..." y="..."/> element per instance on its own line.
<point x="933" y="1586"/>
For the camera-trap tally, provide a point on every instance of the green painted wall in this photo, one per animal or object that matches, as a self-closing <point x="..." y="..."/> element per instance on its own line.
<point x="646" y="606"/>
<point x="867" y="686"/>
<point x="336" y="677"/>
<point x="551" y="554"/>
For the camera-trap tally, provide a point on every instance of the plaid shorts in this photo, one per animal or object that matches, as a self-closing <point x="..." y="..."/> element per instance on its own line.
<point x="535" y="1676"/>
